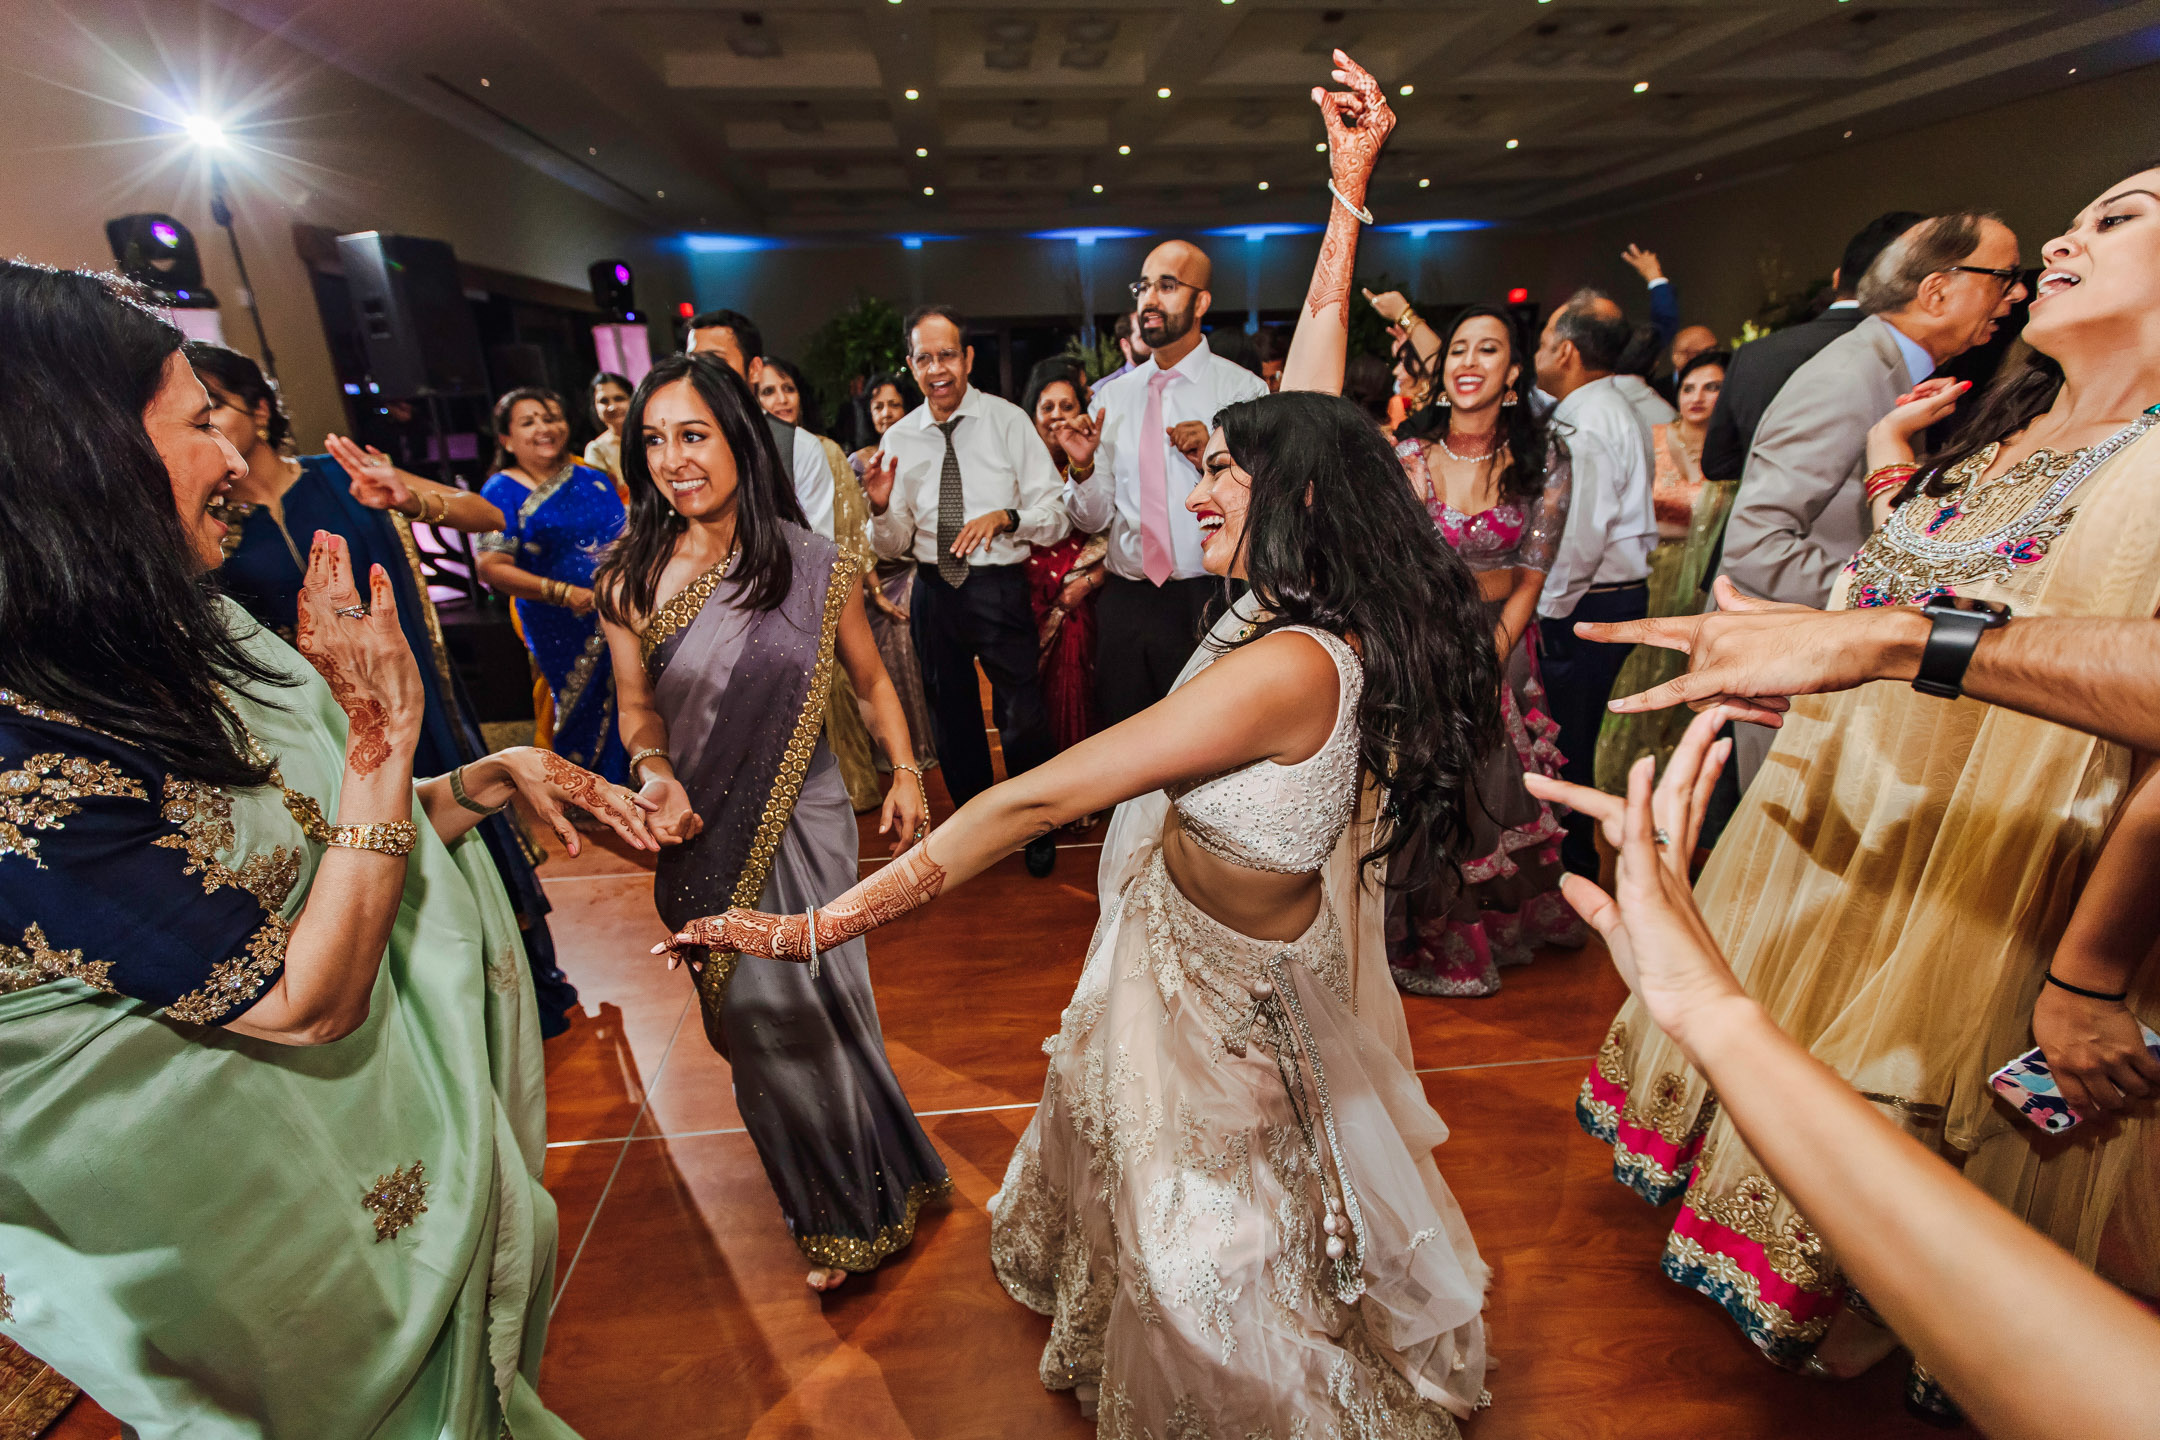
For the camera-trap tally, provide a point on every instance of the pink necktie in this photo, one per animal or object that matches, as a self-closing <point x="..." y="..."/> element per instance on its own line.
<point x="1156" y="556"/>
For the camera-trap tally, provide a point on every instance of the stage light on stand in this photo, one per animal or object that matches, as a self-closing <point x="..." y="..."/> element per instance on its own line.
<point x="207" y="134"/>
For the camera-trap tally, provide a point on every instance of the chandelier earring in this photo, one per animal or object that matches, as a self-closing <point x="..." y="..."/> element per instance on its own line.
<point x="1507" y="400"/>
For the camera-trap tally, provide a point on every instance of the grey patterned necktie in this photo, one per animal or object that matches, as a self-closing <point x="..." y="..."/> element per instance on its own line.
<point x="951" y="510"/>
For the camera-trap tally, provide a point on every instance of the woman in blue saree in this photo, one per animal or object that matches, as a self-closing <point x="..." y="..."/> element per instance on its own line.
<point x="557" y="518"/>
<point x="361" y="497"/>
<point x="270" y="1089"/>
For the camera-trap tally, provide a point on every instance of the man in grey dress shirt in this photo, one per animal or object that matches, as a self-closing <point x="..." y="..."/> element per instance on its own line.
<point x="965" y="488"/>
<point x="1600" y="570"/>
<point x="1134" y="484"/>
<point x="1801" y="512"/>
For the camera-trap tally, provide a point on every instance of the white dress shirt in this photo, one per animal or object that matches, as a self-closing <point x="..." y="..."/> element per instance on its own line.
<point x="1611" y="526"/>
<point x="813" y="481"/>
<point x="1918" y="362"/>
<point x="1004" y="465"/>
<point x="1201" y="384"/>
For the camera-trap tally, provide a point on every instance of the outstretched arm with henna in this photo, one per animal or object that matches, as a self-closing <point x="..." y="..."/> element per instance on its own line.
<point x="1271" y="700"/>
<point x="1358" y="122"/>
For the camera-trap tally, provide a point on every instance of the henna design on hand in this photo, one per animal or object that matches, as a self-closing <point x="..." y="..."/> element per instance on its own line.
<point x="368" y="719"/>
<point x="1358" y="124"/>
<point x="908" y="883"/>
<point x="579" y="786"/>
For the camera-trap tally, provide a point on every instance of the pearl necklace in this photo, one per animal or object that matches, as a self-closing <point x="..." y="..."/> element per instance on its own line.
<point x="1486" y="454"/>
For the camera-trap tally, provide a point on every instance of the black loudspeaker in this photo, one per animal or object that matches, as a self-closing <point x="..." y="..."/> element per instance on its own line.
<point x="613" y="288"/>
<point x="410" y="308"/>
<point x="158" y="253"/>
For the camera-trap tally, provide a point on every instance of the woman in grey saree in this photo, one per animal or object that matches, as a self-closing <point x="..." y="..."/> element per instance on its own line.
<point x="725" y="615"/>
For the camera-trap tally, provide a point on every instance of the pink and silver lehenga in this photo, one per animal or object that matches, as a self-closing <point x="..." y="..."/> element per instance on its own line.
<point x="1227" y="1202"/>
<point x="1454" y="937"/>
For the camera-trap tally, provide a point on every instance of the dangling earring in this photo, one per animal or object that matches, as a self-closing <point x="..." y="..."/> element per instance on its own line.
<point x="1443" y="401"/>
<point x="1507" y="400"/>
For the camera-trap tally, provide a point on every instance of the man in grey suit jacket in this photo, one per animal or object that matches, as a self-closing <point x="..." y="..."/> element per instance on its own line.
<point x="1801" y="513"/>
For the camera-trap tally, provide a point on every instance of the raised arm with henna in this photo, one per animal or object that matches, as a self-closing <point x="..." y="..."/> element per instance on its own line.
<point x="1928" y="1249"/>
<point x="337" y="941"/>
<point x="1358" y="122"/>
<point x="1272" y="700"/>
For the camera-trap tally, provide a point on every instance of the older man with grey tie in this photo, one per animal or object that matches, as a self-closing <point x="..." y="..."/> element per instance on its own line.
<point x="1801" y="513"/>
<point x="964" y="487"/>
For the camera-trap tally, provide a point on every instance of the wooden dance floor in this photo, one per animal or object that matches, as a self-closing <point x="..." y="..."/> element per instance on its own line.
<point x="680" y="1306"/>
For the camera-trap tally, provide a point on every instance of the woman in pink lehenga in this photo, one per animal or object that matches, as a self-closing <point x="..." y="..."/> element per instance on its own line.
<point x="1495" y="481"/>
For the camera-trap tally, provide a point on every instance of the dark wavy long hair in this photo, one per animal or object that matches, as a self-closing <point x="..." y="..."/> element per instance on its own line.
<point x="240" y="377"/>
<point x="1360" y="557"/>
<point x="105" y="609"/>
<point x="1528" y="439"/>
<point x="628" y="580"/>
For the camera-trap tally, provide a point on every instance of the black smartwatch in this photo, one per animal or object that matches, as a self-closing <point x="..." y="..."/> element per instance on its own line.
<point x="1012" y="521"/>
<point x="1956" y="625"/>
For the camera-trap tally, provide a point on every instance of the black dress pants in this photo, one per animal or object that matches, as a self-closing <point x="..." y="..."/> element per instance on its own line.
<point x="1144" y="634"/>
<point x="1579" y="677"/>
<point x="988" y="619"/>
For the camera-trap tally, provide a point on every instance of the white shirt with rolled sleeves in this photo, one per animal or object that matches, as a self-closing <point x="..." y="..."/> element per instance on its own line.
<point x="1109" y="499"/>
<point x="1004" y="465"/>
<point x="1611" y="525"/>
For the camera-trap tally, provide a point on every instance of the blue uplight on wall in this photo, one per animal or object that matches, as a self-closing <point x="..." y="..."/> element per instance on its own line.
<point x="1090" y="236"/>
<point x="916" y="242"/>
<point x="1263" y="232"/>
<point x="728" y="244"/>
<point x="1419" y="229"/>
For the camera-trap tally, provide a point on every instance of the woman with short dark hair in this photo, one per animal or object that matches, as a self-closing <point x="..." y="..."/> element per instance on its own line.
<point x="1063" y="579"/>
<point x="270" y="1081"/>
<point x="558" y="518"/>
<point x="608" y="398"/>
<point x="888" y="396"/>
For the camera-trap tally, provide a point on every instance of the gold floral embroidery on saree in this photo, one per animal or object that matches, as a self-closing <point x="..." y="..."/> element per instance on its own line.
<point x="203" y="814"/>
<point x="43" y="791"/>
<point x="396" y="1199"/>
<point x="847" y="1252"/>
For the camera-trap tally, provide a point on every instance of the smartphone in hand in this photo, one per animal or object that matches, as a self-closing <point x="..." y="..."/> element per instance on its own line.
<point x="2029" y="1085"/>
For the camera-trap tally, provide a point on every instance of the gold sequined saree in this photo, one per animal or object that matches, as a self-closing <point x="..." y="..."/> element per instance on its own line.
<point x="1892" y="888"/>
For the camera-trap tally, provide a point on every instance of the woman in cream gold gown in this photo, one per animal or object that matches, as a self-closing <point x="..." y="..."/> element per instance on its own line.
<point x="1227" y="1202"/>
<point x="1894" y="886"/>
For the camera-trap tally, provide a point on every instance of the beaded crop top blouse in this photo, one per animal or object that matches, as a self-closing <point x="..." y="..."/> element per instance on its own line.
<point x="1284" y="818"/>
<point x="1511" y="535"/>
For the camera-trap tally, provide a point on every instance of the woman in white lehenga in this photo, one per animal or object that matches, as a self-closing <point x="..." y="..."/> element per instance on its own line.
<point x="1227" y="1202"/>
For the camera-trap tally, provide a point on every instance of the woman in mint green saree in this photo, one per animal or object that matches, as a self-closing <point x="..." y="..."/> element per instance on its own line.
<point x="271" y="1118"/>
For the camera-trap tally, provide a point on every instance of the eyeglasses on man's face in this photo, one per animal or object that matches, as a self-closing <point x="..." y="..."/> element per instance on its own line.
<point x="937" y="359"/>
<point x="2006" y="278"/>
<point x="1167" y="286"/>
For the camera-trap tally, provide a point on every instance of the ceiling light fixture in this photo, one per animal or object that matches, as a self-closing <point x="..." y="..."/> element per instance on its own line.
<point x="929" y="189"/>
<point x="1263" y="184"/>
<point x="912" y="94"/>
<point x="484" y="82"/>
<point x="1848" y="134"/>
<point x="1163" y="93"/>
<point x="1098" y="189"/>
<point x="1425" y="184"/>
<point x="1514" y="144"/>
<point x="922" y="152"/>
<point x="1320" y="148"/>
<point x="1641" y="86"/>
<point x="592" y="149"/>
<point x="1407" y="90"/>
<point x="661" y="193"/>
<point x="1124" y="149"/>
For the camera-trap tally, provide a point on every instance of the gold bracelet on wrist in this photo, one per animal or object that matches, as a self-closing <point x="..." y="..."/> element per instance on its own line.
<point x="650" y="752"/>
<point x="457" y="793"/>
<point x="1083" y="475"/>
<point x="395" y="838"/>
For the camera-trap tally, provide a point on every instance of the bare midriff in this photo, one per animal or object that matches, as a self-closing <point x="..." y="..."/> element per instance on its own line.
<point x="1264" y="904"/>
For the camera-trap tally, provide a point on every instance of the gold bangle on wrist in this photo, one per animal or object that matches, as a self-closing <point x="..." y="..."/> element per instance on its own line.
<point x="394" y="838"/>
<point x="457" y="793"/>
<point x="1075" y="472"/>
<point x="650" y="752"/>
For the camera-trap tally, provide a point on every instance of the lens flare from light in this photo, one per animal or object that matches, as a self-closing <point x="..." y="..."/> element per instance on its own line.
<point x="165" y="234"/>
<point x="205" y="132"/>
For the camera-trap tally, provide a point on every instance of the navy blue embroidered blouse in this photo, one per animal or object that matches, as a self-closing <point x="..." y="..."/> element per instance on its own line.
<point x="110" y="874"/>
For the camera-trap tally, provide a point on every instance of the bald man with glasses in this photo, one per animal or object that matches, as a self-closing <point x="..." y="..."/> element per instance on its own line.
<point x="1129" y="474"/>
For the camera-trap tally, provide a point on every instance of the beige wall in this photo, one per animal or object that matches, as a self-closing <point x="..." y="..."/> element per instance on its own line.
<point x="360" y="159"/>
<point x="2036" y="162"/>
